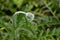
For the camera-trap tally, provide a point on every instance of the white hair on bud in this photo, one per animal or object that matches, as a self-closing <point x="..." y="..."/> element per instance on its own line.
<point x="30" y="16"/>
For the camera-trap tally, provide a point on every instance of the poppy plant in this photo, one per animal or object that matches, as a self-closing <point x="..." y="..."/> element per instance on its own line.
<point x="28" y="15"/>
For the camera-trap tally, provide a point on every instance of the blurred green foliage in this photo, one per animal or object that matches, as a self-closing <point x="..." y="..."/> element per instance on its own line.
<point x="46" y="25"/>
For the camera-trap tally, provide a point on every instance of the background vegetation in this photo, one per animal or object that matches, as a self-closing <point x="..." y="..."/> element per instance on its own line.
<point x="46" y="25"/>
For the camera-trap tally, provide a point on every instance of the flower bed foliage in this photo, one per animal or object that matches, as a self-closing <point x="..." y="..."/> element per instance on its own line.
<point x="45" y="26"/>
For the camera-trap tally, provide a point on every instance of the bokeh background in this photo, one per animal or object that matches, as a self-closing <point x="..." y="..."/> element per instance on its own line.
<point x="47" y="14"/>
